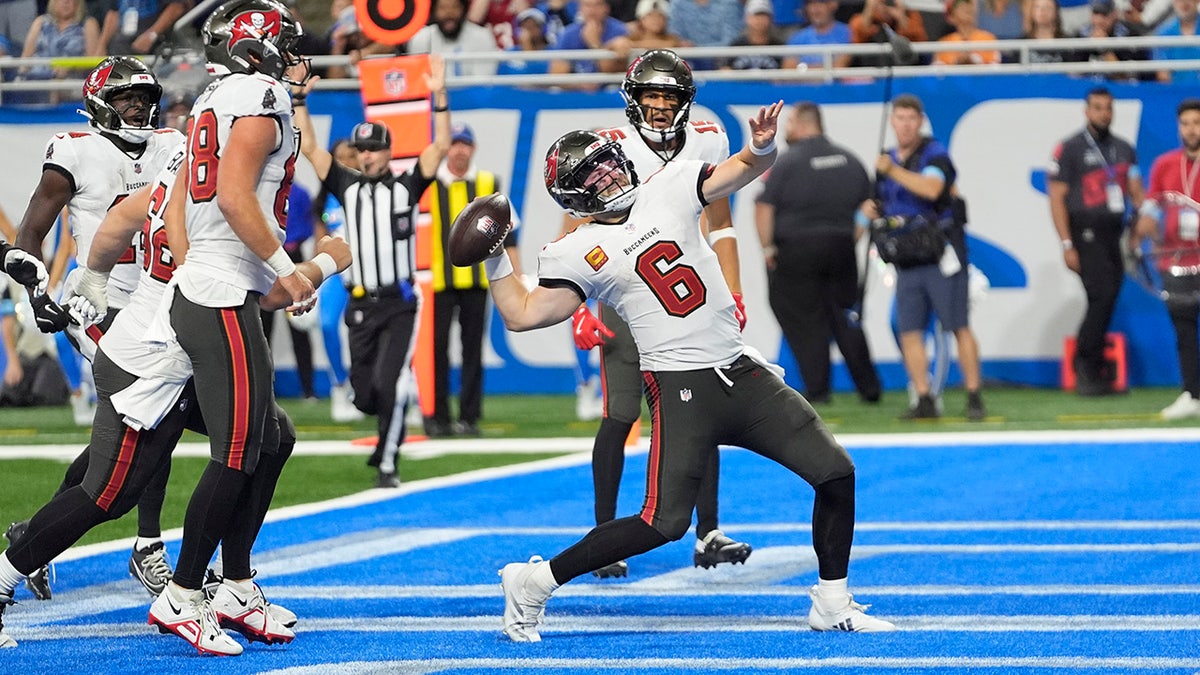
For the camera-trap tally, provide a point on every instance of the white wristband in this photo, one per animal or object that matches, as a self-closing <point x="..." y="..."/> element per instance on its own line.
<point x="1067" y="244"/>
<point x="327" y="264"/>
<point x="281" y="263"/>
<point x="762" y="151"/>
<point x="498" y="267"/>
<point x="723" y="233"/>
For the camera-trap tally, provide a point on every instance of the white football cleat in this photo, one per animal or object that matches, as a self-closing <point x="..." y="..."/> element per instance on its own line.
<point x="193" y="620"/>
<point x="843" y="615"/>
<point x="248" y="613"/>
<point x="524" y="607"/>
<point x="1184" y="407"/>
<point x="6" y="640"/>
<point x="341" y="402"/>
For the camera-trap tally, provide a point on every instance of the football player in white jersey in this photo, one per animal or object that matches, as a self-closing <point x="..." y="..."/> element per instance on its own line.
<point x="88" y="172"/>
<point x="146" y="399"/>
<point x="658" y="90"/>
<point x="240" y="162"/>
<point x="645" y="256"/>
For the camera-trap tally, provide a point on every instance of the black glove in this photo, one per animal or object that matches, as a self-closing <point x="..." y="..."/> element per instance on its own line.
<point x="25" y="269"/>
<point x="50" y="316"/>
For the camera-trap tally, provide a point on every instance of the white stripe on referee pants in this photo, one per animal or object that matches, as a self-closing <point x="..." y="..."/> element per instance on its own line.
<point x="391" y="446"/>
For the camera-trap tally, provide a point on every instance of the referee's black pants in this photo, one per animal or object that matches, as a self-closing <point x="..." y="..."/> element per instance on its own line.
<point x="812" y="291"/>
<point x="381" y="332"/>
<point x="1102" y="272"/>
<point x="471" y="304"/>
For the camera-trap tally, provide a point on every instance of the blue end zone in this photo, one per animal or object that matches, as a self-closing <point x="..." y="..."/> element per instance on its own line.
<point x="1019" y="555"/>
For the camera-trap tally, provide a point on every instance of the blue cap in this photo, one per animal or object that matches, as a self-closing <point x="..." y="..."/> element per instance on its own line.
<point x="461" y="133"/>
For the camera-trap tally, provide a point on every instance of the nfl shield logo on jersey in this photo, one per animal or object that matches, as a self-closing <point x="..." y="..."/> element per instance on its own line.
<point x="685" y="395"/>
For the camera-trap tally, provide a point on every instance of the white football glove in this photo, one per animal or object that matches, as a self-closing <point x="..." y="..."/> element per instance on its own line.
<point x="83" y="311"/>
<point x="93" y="286"/>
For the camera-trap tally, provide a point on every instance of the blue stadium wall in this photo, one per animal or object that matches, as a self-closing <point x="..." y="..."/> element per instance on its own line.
<point x="1001" y="131"/>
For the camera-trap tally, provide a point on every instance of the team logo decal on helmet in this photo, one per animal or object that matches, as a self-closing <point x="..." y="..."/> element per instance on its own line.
<point x="97" y="78"/>
<point x="254" y="25"/>
<point x="253" y="36"/>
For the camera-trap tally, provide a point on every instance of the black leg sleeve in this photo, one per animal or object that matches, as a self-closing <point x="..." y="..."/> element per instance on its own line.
<point x="608" y="463"/>
<point x="55" y="528"/>
<point x="833" y="526"/>
<point x="605" y="545"/>
<point x="149" y="506"/>
<point x="706" y="496"/>
<point x="209" y="514"/>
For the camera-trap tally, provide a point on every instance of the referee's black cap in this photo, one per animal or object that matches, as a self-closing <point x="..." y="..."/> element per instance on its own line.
<point x="371" y="136"/>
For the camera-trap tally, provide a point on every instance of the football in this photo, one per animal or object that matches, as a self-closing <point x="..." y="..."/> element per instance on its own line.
<point x="479" y="230"/>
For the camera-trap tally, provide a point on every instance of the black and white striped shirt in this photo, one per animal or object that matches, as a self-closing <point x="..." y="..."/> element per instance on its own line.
<point x="381" y="214"/>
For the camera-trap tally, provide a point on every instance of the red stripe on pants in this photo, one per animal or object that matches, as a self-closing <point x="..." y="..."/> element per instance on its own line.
<point x="653" y="463"/>
<point x="239" y="370"/>
<point x="120" y="472"/>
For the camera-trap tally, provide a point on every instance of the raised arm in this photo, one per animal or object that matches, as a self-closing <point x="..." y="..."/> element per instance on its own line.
<point x="435" y="152"/>
<point x="751" y="161"/>
<point x="316" y="155"/>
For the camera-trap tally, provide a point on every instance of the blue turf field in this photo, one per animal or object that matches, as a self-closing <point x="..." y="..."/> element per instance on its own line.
<point x="1016" y="554"/>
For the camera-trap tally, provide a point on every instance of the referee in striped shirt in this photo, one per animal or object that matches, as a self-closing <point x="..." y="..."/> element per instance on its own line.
<point x="381" y="214"/>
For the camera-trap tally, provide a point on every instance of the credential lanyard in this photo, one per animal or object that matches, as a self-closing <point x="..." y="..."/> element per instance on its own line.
<point x="1109" y="170"/>
<point x="1188" y="177"/>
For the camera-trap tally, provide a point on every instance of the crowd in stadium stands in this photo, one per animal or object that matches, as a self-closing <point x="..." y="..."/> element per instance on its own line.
<point x="78" y="28"/>
<point x="629" y="27"/>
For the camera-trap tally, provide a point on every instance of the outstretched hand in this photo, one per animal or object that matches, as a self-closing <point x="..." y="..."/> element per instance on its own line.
<point x="435" y="80"/>
<point x="308" y="86"/>
<point x="764" y="125"/>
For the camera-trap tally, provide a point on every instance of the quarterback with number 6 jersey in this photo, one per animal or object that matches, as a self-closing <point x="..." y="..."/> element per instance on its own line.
<point x="645" y="256"/>
<point x="658" y="90"/>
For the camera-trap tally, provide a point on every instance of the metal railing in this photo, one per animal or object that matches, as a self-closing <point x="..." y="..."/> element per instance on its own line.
<point x="1020" y="63"/>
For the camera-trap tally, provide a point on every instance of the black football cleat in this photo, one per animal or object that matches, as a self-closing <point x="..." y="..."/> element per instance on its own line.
<point x="715" y="548"/>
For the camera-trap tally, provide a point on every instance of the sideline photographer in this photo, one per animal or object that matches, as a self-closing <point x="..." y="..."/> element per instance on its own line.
<point x="918" y="225"/>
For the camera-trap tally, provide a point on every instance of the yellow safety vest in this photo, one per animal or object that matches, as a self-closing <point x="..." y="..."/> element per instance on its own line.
<point x="446" y="202"/>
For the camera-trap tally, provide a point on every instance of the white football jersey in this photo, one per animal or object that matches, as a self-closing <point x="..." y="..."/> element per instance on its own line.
<point x="705" y="141"/>
<point x="220" y="268"/>
<point x="657" y="271"/>
<point x="123" y="341"/>
<point x="103" y="175"/>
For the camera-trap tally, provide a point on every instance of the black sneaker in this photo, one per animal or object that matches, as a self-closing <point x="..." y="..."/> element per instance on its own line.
<point x="5" y="640"/>
<point x="975" y="410"/>
<point x="617" y="569"/>
<point x="151" y="567"/>
<point x="387" y="480"/>
<point x="715" y="548"/>
<point x="38" y="583"/>
<point x="925" y="409"/>
<point x="468" y="429"/>
<point x="437" y="429"/>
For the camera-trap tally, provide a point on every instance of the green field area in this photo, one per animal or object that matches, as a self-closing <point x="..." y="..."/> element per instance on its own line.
<point x="28" y="483"/>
